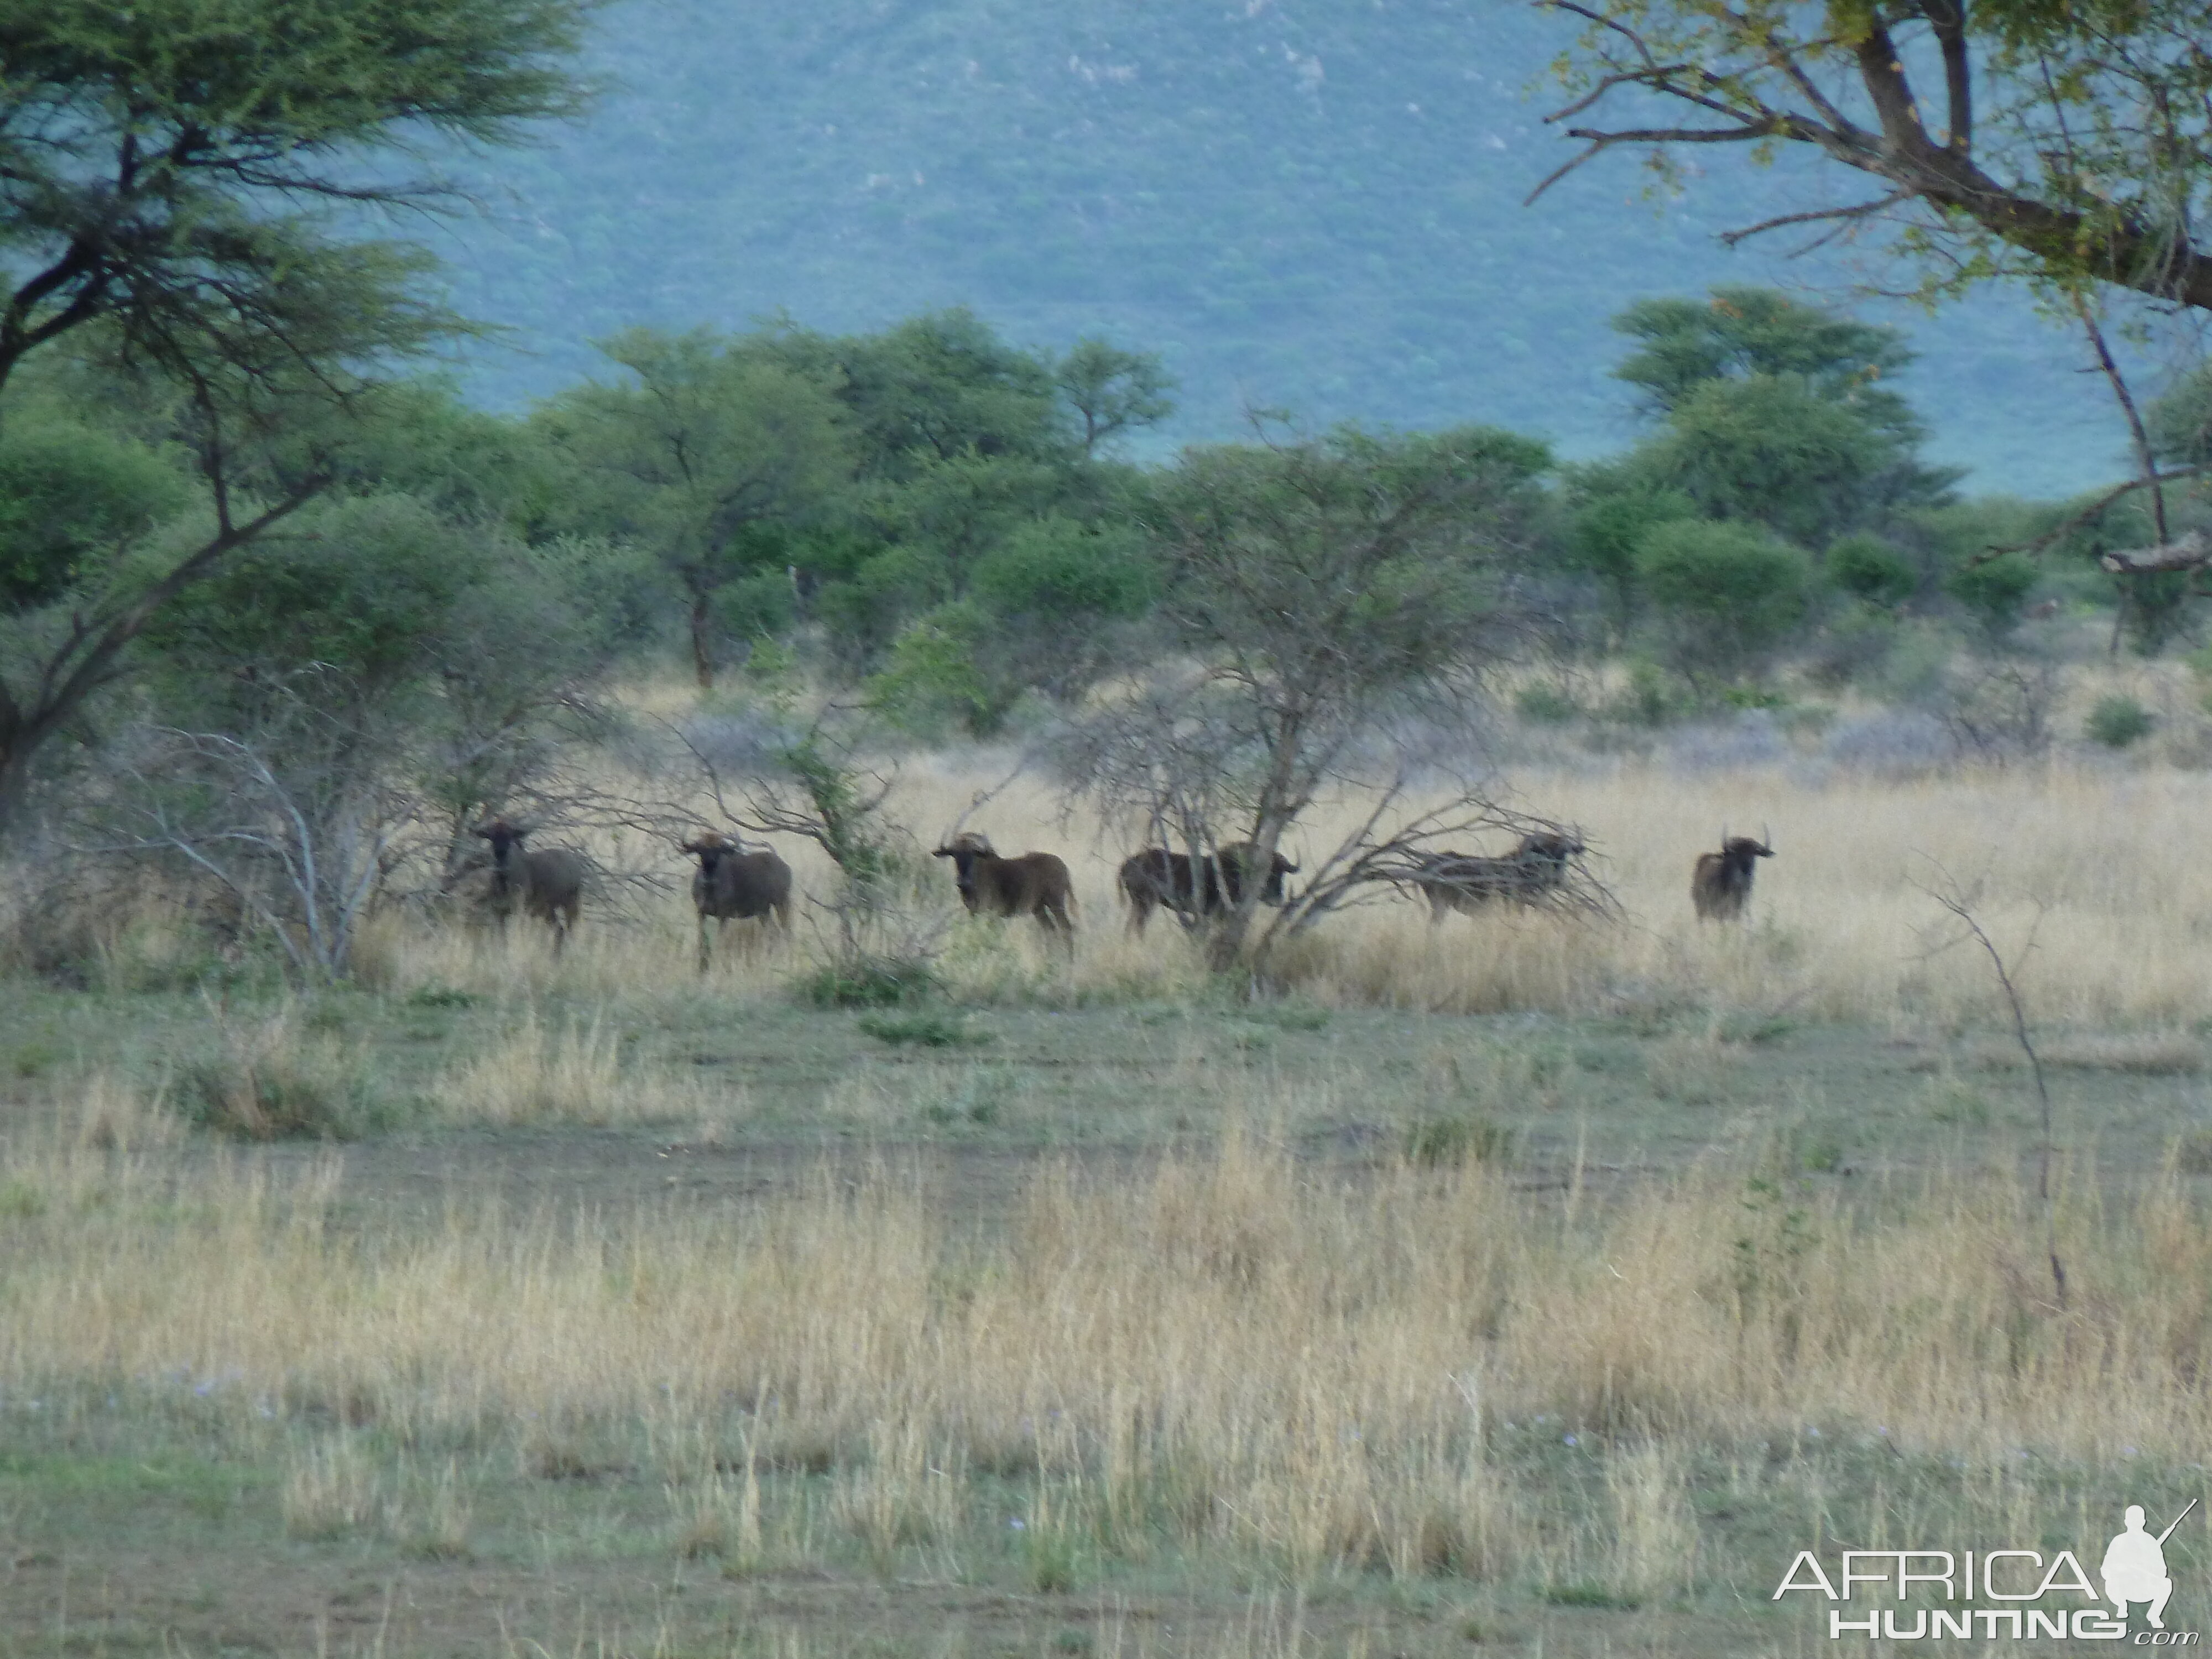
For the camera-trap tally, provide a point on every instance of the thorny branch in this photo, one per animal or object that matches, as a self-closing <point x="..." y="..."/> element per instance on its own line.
<point x="1959" y="904"/>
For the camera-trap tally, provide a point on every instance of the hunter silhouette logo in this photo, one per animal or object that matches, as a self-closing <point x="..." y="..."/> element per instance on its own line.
<point x="2135" y="1565"/>
<point x="2000" y="1593"/>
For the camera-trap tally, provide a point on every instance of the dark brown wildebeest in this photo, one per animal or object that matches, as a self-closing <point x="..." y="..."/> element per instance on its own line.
<point x="735" y="885"/>
<point x="1459" y="881"/>
<point x="548" y="885"/>
<point x="1720" y="886"/>
<point x="1156" y="877"/>
<point x="1034" y="884"/>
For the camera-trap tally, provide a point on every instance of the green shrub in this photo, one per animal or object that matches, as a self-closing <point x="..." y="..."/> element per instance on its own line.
<point x="1753" y="696"/>
<point x="1730" y="593"/>
<point x="1994" y="592"/>
<point x="441" y="996"/>
<point x="2118" y="721"/>
<point x="1870" y="569"/>
<point x="1546" y="705"/>
<point x="1647" y="699"/>
<point x="283" y="1094"/>
<point x="869" y="981"/>
<point x="2193" y="1153"/>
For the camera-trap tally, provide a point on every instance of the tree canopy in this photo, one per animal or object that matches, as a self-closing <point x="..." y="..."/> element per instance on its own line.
<point x="168" y="166"/>
<point x="182" y="185"/>
<point x="2067" y="142"/>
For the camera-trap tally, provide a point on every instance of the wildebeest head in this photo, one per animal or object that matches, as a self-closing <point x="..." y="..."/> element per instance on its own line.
<point x="1240" y="859"/>
<point x="963" y="849"/>
<point x="710" y="848"/>
<point x="1741" y="850"/>
<point x="505" y="838"/>
<point x="1550" y="849"/>
<point x="1531" y="874"/>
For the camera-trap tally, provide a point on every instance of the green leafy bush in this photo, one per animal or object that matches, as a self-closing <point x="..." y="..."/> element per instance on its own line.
<point x="2118" y="721"/>
<point x="1546" y="705"/>
<point x="1994" y="592"/>
<point x="1730" y="592"/>
<point x="1647" y="700"/>
<point x="1869" y="568"/>
<point x="869" y="981"/>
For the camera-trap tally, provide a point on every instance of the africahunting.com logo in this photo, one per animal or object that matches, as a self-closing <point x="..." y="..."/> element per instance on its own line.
<point x="2015" y="1582"/>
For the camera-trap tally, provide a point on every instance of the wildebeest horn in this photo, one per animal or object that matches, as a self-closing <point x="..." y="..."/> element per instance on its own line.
<point x="1766" y="837"/>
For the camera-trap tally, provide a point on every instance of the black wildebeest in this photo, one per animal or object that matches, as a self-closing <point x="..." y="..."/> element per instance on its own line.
<point x="548" y="885"/>
<point x="1156" y="877"/>
<point x="1460" y="881"/>
<point x="1034" y="884"/>
<point x="1720" y="886"/>
<point x="734" y="886"/>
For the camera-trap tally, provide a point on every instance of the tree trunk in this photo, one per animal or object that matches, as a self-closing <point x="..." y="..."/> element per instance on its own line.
<point x="14" y="780"/>
<point x="702" y="640"/>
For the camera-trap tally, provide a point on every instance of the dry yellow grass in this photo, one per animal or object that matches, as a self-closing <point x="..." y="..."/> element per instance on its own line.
<point x="2091" y="866"/>
<point x="573" y="1074"/>
<point x="1322" y="1370"/>
<point x="2097" y="868"/>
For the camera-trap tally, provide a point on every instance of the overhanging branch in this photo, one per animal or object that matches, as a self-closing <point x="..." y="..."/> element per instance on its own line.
<point x="2191" y="552"/>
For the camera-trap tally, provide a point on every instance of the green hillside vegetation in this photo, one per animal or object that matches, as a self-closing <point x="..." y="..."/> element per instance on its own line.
<point x="1295" y="204"/>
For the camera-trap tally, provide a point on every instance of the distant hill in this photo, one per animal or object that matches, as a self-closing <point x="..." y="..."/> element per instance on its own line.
<point x="1310" y="203"/>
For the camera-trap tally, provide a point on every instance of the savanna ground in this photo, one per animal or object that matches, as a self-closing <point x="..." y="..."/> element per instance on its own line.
<point x="1522" y="1285"/>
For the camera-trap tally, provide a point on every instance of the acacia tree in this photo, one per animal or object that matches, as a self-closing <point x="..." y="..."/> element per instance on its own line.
<point x="708" y="453"/>
<point x="1112" y="392"/>
<point x="1326" y="590"/>
<point x="168" y="176"/>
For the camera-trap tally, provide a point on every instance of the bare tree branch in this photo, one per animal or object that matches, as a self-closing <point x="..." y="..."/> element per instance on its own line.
<point x="1959" y="904"/>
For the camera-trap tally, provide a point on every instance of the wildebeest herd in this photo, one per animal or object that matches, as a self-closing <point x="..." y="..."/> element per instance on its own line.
<point x="735" y="884"/>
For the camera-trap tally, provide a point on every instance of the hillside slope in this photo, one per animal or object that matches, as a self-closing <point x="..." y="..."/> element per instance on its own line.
<point x="1308" y="203"/>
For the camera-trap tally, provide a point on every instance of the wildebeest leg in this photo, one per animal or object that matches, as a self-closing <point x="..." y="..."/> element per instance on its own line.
<point x="1053" y="913"/>
<point x="704" y="953"/>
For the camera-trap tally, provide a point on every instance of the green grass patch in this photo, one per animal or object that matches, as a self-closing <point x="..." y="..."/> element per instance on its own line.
<point x="1451" y="1142"/>
<point x="925" y="1029"/>
<point x="1587" y="1593"/>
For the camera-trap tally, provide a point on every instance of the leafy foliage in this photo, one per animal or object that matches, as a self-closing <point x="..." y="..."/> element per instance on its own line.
<point x="1730" y="593"/>
<point x="2119" y="721"/>
<point x="2009" y="137"/>
<point x="171" y="173"/>
<point x="1871" y="570"/>
<point x="709" y="457"/>
<point x="209" y="128"/>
